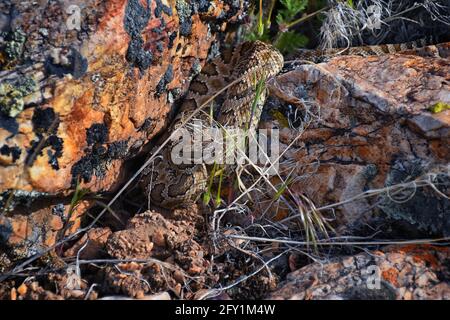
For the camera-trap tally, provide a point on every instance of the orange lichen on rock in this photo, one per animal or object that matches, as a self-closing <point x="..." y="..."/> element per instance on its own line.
<point x="124" y="72"/>
<point x="425" y="253"/>
<point x="390" y="275"/>
<point x="373" y="129"/>
<point x="404" y="275"/>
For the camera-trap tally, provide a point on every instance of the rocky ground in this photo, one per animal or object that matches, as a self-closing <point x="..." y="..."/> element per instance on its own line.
<point x="365" y="157"/>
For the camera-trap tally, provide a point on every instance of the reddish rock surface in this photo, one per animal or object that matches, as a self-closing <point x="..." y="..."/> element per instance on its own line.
<point x="96" y="94"/>
<point x="91" y="245"/>
<point x="76" y="103"/>
<point x="371" y="127"/>
<point x="408" y="272"/>
<point x="25" y="235"/>
<point x="151" y="235"/>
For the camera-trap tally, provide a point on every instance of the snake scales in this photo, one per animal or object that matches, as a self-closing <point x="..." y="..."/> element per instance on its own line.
<point x="171" y="185"/>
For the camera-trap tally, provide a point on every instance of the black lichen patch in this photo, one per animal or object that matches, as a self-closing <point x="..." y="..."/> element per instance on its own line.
<point x="96" y="160"/>
<point x="172" y="38"/>
<point x="233" y="9"/>
<point x="59" y="210"/>
<point x="14" y="152"/>
<point x="160" y="46"/>
<point x="77" y="65"/>
<point x="45" y="121"/>
<point x="9" y="124"/>
<point x="136" y="19"/>
<point x="160" y="8"/>
<point x="55" y="144"/>
<point x="203" y="5"/>
<point x="55" y="151"/>
<point x="12" y="47"/>
<point x="137" y="56"/>
<point x="185" y="15"/>
<point x="5" y="231"/>
<point x="422" y="208"/>
<point x="97" y="133"/>
<point x="86" y="167"/>
<point x="118" y="149"/>
<point x="166" y="79"/>
<point x="148" y="125"/>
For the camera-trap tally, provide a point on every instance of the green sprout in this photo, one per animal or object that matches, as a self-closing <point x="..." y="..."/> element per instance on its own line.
<point x="439" y="107"/>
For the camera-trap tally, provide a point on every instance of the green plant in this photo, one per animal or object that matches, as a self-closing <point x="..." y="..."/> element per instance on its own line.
<point x="290" y="40"/>
<point x="290" y="9"/>
<point x="217" y="170"/>
<point x="260" y="87"/>
<point x="287" y="11"/>
<point x="439" y="107"/>
<point x="77" y="197"/>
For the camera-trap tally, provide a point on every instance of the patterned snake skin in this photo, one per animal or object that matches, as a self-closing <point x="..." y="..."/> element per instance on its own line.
<point x="172" y="185"/>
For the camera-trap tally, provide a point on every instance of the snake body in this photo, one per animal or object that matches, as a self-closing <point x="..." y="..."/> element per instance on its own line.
<point x="171" y="185"/>
<point x="375" y="50"/>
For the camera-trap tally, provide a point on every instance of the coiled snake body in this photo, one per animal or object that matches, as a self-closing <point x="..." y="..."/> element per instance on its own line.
<point x="171" y="185"/>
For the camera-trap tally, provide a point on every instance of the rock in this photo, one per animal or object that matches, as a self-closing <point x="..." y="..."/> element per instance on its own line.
<point x="370" y="127"/>
<point x="86" y="84"/>
<point x="22" y="236"/>
<point x="151" y="238"/>
<point x="96" y="244"/>
<point x="405" y="272"/>
<point x="149" y="235"/>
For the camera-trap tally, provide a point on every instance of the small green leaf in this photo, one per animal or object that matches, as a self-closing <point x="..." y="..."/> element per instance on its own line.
<point x="282" y="189"/>
<point x="78" y="195"/>
<point x="289" y="41"/>
<point x="253" y="36"/>
<point x="207" y="194"/>
<point x="439" y="107"/>
<point x="290" y="10"/>
<point x="260" y="86"/>
<point x="219" y="190"/>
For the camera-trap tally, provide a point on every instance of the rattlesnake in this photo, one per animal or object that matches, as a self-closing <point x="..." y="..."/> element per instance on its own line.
<point x="169" y="185"/>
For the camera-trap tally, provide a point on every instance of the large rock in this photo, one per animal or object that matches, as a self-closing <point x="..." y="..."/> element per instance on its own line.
<point x="84" y="84"/>
<point x="151" y="236"/>
<point x="371" y="127"/>
<point x="409" y="272"/>
<point x="36" y="228"/>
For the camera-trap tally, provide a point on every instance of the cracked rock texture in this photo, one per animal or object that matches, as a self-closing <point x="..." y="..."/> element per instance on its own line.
<point x="371" y="128"/>
<point x="85" y="84"/>
<point x="26" y="234"/>
<point x="149" y="236"/>
<point x="404" y="273"/>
